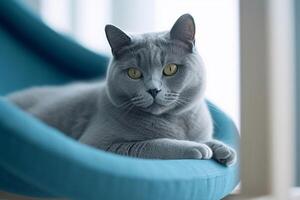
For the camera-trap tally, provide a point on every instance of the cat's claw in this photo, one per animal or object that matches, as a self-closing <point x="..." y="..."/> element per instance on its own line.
<point x="201" y="151"/>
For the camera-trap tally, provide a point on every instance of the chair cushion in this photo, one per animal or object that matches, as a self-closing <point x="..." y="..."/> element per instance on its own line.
<point x="44" y="162"/>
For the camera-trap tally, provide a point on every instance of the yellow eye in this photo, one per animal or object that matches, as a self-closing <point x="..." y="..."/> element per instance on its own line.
<point x="134" y="73"/>
<point x="170" y="69"/>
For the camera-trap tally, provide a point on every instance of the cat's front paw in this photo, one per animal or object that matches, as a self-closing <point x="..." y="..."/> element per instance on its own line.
<point x="199" y="151"/>
<point x="224" y="154"/>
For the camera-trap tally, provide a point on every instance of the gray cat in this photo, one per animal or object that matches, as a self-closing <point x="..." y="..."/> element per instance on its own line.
<point x="150" y="106"/>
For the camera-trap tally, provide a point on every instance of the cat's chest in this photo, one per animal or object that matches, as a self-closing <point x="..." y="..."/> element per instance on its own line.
<point x="150" y="127"/>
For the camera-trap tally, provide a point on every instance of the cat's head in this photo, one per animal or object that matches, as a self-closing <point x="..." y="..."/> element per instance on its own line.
<point x="156" y="72"/>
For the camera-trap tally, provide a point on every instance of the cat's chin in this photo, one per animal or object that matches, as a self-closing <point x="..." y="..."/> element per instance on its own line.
<point x="155" y="109"/>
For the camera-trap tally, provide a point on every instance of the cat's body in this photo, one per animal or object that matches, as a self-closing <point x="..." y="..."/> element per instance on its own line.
<point x="84" y="112"/>
<point x="151" y="104"/>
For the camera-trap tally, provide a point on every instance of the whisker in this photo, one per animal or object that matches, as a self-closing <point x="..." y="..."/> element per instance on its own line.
<point x="124" y="104"/>
<point x="129" y="108"/>
<point x="185" y="98"/>
<point x="136" y="98"/>
<point x="182" y="101"/>
<point x="170" y="94"/>
<point x="171" y="98"/>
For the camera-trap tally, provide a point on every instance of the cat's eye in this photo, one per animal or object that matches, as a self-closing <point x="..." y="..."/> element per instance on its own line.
<point x="134" y="73"/>
<point x="170" y="69"/>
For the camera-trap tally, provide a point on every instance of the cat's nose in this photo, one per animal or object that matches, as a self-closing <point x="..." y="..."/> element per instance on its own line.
<point x="154" y="92"/>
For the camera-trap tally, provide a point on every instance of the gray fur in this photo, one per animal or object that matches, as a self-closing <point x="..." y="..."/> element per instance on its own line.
<point x="120" y="116"/>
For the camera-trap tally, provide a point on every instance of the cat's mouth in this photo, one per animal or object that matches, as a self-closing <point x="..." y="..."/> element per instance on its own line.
<point x="153" y="105"/>
<point x="155" y="108"/>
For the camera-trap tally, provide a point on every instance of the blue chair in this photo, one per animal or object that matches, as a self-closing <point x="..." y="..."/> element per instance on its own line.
<point x="38" y="160"/>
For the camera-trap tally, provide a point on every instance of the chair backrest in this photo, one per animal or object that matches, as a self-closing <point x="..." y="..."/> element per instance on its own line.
<point x="33" y="54"/>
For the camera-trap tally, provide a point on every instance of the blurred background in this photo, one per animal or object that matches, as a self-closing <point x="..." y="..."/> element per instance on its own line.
<point x="267" y="65"/>
<point x="217" y="36"/>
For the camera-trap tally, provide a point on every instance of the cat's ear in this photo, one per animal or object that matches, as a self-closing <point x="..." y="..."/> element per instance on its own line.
<point x="116" y="38"/>
<point x="184" y="29"/>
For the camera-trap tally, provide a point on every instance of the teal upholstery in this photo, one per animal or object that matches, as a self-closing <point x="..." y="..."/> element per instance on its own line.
<point x="38" y="160"/>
